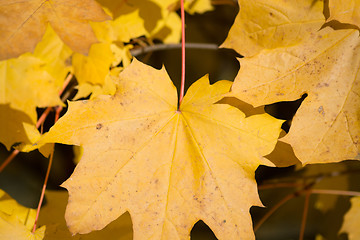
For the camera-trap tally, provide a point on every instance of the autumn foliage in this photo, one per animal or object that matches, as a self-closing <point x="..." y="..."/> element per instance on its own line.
<point x="149" y="161"/>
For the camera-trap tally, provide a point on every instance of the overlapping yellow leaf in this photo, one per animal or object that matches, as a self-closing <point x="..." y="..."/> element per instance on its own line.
<point x="198" y="6"/>
<point x="23" y="23"/>
<point x="351" y="220"/>
<point x="150" y="18"/>
<point x="52" y="216"/>
<point x="326" y="127"/>
<point x="30" y="81"/>
<point x="55" y="54"/>
<point x="264" y="24"/>
<point x="16" y="127"/>
<point x="93" y="68"/>
<point x="167" y="167"/>
<point x="108" y="87"/>
<point x="345" y="11"/>
<point x="16" y="221"/>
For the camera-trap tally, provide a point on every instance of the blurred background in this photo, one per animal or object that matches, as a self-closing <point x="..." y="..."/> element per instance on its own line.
<point x="24" y="177"/>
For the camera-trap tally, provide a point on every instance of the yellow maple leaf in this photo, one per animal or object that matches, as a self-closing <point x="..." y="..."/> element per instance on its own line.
<point x="55" y="54"/>
<point x="264" y="24"/>
<point x="167" y="167"/>
<point x="16" y="221"/>
<point x="30" y="81"/>
<point x="16" y="127"/>
<point x="93" y="68"/>
<point x="135" y="18"/>
<point x="345" y="11"/>
<point x="326" y="67"/>
<point x="91" y="71"/>
<point x="198" y="6"/>
<point x="108" y="87"/>
<point x="23" y="23"/>
<point x="351" y="220"/>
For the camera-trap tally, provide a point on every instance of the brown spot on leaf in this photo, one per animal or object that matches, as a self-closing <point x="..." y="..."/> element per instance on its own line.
<point x="99" y="126"/>
<point x="321" y="110"/>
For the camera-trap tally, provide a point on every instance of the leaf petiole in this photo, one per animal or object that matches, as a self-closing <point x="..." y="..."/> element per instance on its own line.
<point x="182" y="52"/>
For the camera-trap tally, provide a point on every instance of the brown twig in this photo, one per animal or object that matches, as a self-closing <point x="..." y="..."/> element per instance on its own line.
<point x="57" y="115"/>
<point x="335" y="192"/>
<point x="159" y="47"/>
<point x="224" y="2"/>
<point x="273" y="209"/>
<point x="305" y="212"/>
<point x="279" y="185"/>
<point x="43" y="190"/>
<point x="9" y="159"/>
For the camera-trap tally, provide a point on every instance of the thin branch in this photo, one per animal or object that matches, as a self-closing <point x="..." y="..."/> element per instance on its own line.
<point x="159" y="47"/>
<point x="57" y="115"/>
<point x="273" y="209"/>
<point x="224" y="2"/>
<point x="305" y="212"/>
<point x="315" y="176"/>
<point x="279" y="185"/>
<point x="43" y="190"/>
<point x="66" y="83"/>
<point x="335" y="192"/>
<point x="9" y="159"/>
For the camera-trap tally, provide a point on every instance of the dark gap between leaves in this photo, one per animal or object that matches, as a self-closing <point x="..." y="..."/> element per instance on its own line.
<point x="285" y="110"/>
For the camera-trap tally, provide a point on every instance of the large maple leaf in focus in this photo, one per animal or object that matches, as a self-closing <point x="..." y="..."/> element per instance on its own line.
<point x="23" y="23"/>
<point x="326" y="127"/>
<point x="167" y="167"/>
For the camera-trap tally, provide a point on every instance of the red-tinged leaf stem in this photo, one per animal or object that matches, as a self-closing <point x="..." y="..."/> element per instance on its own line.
<point x="9" y="159"/>
<point x="305" y="212"/>
<point x="43" y="190"/>
<point x="182" y="88"/>
<point x="273" y="209"/>
<point x="40" y="121"/>
<point x="57" y="115"/>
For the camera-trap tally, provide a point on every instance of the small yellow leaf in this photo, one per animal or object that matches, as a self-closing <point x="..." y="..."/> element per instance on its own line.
<point x="345" y="11"/>
<point x="16" y="221"/>
<point x="108" y="88"/>
<point x="16" y="127"/>
<point x="135" y="18"/>
<point x="264" y="24"/>
<point x="55" y="54"/>
<point x="94" y="67"/>
<point x="351" y="220"/>
<point x="167" y="167"/>
<point x="198" y="6"/>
